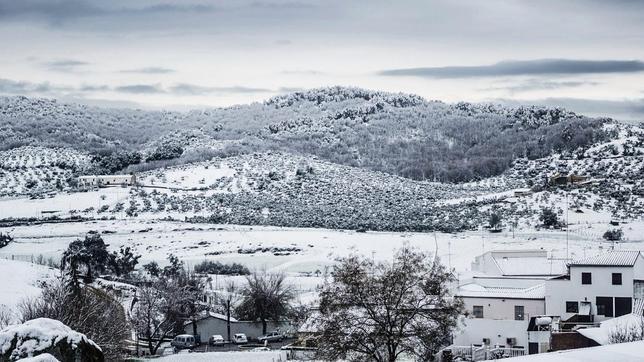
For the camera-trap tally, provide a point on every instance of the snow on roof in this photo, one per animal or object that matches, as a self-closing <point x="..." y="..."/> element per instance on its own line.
<point x="530" y="265"/>
<point x="37" y="335"/>
<point x="625" y="352"/>
<point x="474" y="290"/>
<point x="612" y="258"/>
<point x="601" y="334"/>
<point x="526" y="262"/>
<point x="212" y="315"/>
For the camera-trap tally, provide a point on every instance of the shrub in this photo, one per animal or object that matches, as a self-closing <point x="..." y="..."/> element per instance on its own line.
<point x="613" y="235"/>
<point x="215" y="267"/>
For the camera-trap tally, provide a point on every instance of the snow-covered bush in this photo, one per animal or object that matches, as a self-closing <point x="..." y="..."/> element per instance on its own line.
<point x="44" y="335"/>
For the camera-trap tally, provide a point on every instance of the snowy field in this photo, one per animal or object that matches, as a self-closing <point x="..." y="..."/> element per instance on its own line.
<point x="62" y="204"/>
<point x="20" y="280"/>
<point x="301" y="250"/>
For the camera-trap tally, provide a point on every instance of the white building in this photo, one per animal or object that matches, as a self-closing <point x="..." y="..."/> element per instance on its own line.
<point x="106" y="180"/>
<point x="498" y="310"/>
<point x="599" y="287"/>
<point x="211" y="323"/>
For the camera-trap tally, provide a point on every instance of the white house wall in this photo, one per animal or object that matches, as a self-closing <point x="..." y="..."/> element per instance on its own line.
<point x="497" y="308"/>
<point x="558" y="292"/>
<point x="497" y="331"/>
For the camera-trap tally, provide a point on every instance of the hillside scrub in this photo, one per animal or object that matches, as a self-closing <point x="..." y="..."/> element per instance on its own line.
<point x="399" y="134"/>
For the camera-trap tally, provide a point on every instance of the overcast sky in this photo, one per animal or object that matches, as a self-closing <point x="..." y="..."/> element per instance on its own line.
<point x="587" y="55"/>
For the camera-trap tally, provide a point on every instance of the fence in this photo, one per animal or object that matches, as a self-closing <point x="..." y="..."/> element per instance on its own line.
<point x="49" y="261"/>
<point x="482" y="353"/>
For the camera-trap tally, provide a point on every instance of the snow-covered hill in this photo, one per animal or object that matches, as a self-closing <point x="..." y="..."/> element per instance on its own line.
<point x="400" y="134"/>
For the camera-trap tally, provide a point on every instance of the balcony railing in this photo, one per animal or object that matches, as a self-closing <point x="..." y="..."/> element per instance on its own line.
<point x="482" y="353"/>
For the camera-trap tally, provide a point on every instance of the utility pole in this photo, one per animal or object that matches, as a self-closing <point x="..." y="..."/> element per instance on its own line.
<point x="228" y="318"/>
<point x="482" y="240"/>
<point x="567" y="242"/>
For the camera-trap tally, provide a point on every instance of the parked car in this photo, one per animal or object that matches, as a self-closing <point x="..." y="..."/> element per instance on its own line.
<point x="271" y="337"/>
<point x="216" y="340"/>
<point x="184" y="341"/>
<point x="240" y="338"/>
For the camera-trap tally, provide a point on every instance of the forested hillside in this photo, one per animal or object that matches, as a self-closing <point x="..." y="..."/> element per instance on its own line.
<point x="399" y="134"/>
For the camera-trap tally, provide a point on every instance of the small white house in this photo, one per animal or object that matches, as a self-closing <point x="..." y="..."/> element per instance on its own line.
<point x="106" y="180"/>
<point x="600" y="287"/>
<point x="498" y="310"/>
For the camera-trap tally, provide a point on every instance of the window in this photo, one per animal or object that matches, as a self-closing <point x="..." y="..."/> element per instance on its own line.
<point x="519" y="313"/>
<point x="572" y="307"/>
<point x="605" y="306"/>
<point x="617" y="278"/>
<point x="477" y="310"/>
<point x="586" y="278"/>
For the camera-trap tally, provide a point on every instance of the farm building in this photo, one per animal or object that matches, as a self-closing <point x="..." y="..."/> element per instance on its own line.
<point x="106" y="180"/>
<point x="559" y="179"/>
<point x="214" y="323"/>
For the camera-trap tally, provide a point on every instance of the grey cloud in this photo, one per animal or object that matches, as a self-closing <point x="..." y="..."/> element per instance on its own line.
<point x="8" y="86"/>
<point x="627" y="109"/>
<point x="192" y="89"/>
<point x="93" y="88"/>
<point x="186" y="89"/>
<point x="59" y="11"/>
<point x="523" y="68"/>
<point x="539" y="84"/>
<point x="282" y="5"/>
<point x="149" y="70"/>
<point x="140" y="89"/>
<point x="64" y="65"/>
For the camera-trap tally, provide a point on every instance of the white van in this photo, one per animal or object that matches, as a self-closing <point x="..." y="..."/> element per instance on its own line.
<point x="184" y="341"/>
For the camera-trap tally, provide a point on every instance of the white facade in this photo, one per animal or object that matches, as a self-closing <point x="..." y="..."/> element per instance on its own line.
<point x="106" y="180"/>
<point x="499" y="309"/>
<point x="496" y="332"/>
<point x="616" y="296"/>
<point x="504" y="308"/>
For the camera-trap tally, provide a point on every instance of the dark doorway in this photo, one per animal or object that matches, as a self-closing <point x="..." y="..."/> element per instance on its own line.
<point x="604" y="306"/>
<point x="533" y="348"/>
<point x="623" y="306"/>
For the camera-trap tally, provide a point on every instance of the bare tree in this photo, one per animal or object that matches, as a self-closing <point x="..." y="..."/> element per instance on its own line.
<point x="91" y="311"/>
<point x="266" y="297"/>
<point x="161" y="310"/>
<point x="380" y="311"/>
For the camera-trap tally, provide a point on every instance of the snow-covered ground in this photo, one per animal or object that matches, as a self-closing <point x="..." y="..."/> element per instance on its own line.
<point x="64" y="204"/>
<point x="247" y="356"/>
<point x="300" y="250"/>
<point x="20" y="280"/>
<point x="623" y="352"/>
